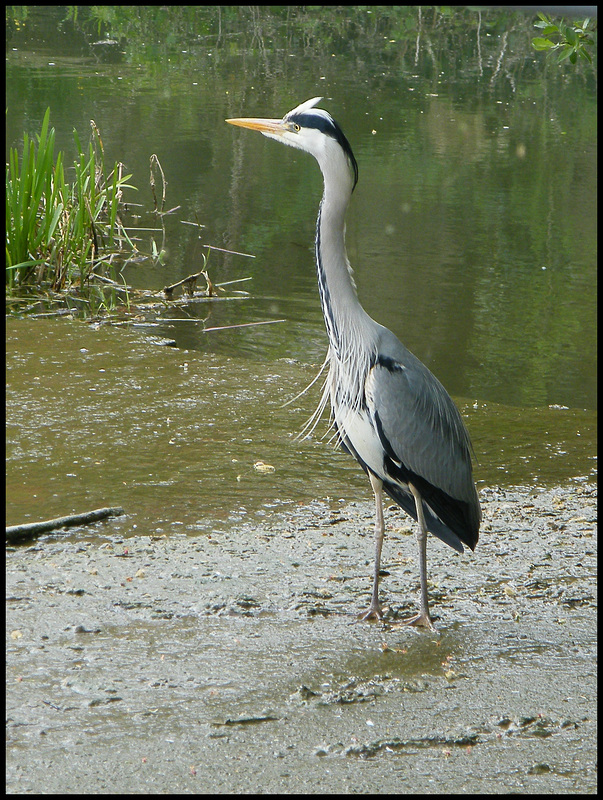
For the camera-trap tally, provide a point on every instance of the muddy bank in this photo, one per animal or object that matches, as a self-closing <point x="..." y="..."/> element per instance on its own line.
<point x="233" y="662"/>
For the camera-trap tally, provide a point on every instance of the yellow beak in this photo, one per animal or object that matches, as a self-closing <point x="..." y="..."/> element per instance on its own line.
<point x="273" y="126"/>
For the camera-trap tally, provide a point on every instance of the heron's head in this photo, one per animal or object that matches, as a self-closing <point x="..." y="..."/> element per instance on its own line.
<point x="308" y="128"/>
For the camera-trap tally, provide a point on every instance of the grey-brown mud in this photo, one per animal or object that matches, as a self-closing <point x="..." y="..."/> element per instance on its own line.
<point x="233" y="662"/>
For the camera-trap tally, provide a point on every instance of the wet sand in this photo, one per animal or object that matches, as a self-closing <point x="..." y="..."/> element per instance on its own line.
<point x="233" y="662"/>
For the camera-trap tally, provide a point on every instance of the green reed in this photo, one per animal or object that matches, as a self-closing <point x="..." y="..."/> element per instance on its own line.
<point x="58" y="232"/>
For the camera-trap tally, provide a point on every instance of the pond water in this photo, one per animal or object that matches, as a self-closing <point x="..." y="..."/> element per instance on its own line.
<point x="101" y="416"/>
<point x="472" y="232"/>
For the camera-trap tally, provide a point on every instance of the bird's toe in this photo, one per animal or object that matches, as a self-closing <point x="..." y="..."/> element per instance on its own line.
<point x="372" y="612"/>
<point x="421" y="620"/>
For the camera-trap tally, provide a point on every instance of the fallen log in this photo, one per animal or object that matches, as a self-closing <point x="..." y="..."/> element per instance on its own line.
<point x="15" y="533"/>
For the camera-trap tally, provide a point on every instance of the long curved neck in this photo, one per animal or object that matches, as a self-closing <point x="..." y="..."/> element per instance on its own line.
<point x="340" y="305"/>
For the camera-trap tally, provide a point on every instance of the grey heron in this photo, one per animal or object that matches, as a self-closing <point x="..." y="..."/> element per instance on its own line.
<point x="387" y="408"/>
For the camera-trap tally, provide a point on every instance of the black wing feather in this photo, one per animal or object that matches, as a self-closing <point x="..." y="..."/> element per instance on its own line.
<point x="426" y="443"/>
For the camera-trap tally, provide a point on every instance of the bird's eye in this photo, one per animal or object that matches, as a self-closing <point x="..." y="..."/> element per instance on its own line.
<point x="296" y="127"/>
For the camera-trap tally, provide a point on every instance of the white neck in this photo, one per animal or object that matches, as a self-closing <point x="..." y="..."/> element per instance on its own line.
<point x="341" y="309"/>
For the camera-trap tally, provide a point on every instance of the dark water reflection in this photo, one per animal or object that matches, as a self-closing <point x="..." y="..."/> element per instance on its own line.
<point x="472" y="233"/>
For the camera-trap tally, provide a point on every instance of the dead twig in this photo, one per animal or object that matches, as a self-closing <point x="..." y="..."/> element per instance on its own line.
<point x="244" y="325"/>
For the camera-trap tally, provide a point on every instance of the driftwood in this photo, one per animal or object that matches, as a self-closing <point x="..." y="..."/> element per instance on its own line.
<point x="16" y="533"/>
<point x="189" y="284"/>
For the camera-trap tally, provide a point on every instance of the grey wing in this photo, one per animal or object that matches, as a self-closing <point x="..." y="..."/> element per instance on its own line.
<point x="419" y="426"/>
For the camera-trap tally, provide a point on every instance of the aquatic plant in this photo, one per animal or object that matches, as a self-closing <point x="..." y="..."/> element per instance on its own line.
<point x="58" y="233"/>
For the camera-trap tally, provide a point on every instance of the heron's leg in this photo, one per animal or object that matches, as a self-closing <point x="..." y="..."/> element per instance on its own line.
<point x="422" y="618"/>
<point x="374" y="610"/>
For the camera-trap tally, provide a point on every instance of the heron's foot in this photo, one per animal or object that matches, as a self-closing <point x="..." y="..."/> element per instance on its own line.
<point x="373" y="612"/>
<point x="421" y="620"/>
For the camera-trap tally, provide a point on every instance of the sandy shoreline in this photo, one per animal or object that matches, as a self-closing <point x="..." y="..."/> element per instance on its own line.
<point x="234" y="662"/>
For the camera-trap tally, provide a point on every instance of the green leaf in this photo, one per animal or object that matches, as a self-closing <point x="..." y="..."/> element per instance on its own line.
<point x="542" y="44"/>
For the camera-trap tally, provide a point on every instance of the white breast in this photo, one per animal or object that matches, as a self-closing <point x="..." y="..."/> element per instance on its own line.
<point x="356" y="426"/>
<point x="352" y="405"/>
